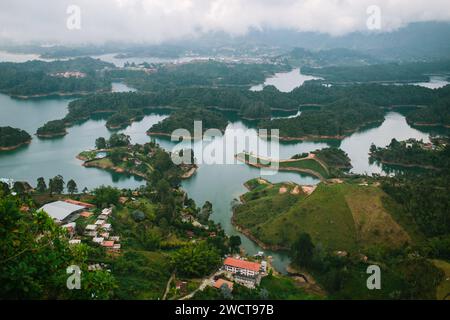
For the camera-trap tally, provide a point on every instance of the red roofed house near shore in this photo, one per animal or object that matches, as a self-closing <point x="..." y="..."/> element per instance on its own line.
<point x="241" y="266"/>
<point x="244" y="272"/>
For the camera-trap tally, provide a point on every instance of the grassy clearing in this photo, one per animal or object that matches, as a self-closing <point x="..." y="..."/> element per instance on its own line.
<point x="443" y="289"/>
<point x="374" y="225"/>
<point x="306" y="164"/>
<point x="339" y="216"/>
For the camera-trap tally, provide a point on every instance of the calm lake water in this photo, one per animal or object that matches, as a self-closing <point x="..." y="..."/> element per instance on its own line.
<point x="217" y="183"/>
<point x="285" y="81"/>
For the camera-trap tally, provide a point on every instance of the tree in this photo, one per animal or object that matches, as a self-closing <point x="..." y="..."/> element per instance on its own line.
<point x="56" y="185"/>
<point x="72" y="186"/>
<point x="100" y="143"/>
<point x="205" y="212"/>
<point x="41" y="185"/>
<point x="119" y="140"/>
<point x="235" y="243"/>
<point x="196" y="260"/>
<point x="4" y="189"/>
<point x="19" y="188"/>
<point x="106" y="195"/>
<point x="302" y="250"/>
<point x="35" y="254"/>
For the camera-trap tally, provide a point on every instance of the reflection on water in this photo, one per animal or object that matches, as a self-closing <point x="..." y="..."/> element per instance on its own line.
<point x="217" y="183"/>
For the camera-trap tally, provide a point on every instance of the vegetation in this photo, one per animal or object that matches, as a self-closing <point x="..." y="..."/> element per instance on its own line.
<point x="333" y="121"/>
<point x="11" y="138"/>
<point x="324" y="163"/>
<point x="184" y="119"/>
<point x="390" y="72"/>
<point x="35" y="255"/>
<point x="37" y="78"/>
<point x="413" y="153"/>
<point x="54" y="128"/>
<point x="342" y="216"/>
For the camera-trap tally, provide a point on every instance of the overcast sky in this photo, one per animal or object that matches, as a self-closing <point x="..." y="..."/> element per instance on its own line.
<point x="154" y="21"/>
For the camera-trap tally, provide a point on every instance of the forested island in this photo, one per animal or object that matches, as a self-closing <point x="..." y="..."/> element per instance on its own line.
<point x="13" y="138"/>
<point x="145" y="161"/>
<point x="436" y="113"/>
<point x="324" y="163"/>
<point x="185" y="119"/>
<point x="365" y="102"/>
<point x="332" y="121"/>
<point x="413" y="153"/>
<point x="39" y="78"/>
<point x="52" y="129"/>
<point x="388" y="72"/>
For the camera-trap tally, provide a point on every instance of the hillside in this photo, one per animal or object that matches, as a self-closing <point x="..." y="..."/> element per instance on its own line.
<point x="339" y="216"/>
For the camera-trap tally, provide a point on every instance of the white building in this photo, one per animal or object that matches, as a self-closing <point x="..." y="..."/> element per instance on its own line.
<point x="62" y="211"/>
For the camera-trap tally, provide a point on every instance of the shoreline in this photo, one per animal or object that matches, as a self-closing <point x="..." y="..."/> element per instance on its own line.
<point x="290" y="169"/>
<point x="51" y="135"/>
<point x="15" y="146"/>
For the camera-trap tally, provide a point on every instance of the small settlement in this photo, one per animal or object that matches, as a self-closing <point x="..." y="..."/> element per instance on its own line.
<point x="96" y="226"/>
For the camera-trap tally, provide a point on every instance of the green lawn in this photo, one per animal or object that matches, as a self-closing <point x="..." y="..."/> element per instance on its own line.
<point x="339" y="216"/>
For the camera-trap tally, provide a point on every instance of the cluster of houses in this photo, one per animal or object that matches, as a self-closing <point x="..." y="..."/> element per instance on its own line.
<point x="69" y="74"/>
<point x="101" y="230"/>
<point x="66" y="212"/>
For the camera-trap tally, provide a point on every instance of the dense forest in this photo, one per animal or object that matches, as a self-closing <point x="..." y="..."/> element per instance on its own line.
<point x="249" y="104"/>
<point x="198" y="74"/>
<point x="437" y="113"/>
<point x="389" y="72"/>
<point x="413" y="153"/>
<point x="52" y="128"/>
<point x="45" y="78"/>
<point x="12" y="137"/>
<point x="184" y="119"/>
<point x="333" y="121"/>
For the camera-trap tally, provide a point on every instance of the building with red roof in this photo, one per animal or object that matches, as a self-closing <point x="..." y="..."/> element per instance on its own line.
<point x="79" y="203"/>
<point x="243" y="267"/>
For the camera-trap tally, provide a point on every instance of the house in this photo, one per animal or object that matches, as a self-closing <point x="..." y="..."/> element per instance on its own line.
<point x="62" y="211"/>
<point x="106" y="226"/>
<point x="70" y="227"/>
<point x="100" y="222"/>
<point x="220" y="282"/>
<point x="244" y="272"/>
<point x="91" y="227"/>
<point x="102" y="217"/>
<point x="181" y="286"/>
<point x="98" y="240"/>
<point x="108" y="244"/>
<point x="106" y="211"/>
<point x="75" y="241"/>
<point x="86" y="214"/>
<point x="244" y="267"/>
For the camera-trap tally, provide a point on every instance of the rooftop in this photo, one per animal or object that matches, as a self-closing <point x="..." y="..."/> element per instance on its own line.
<point x="243" y="264"/>
<point x="220" y="282"/>
<point x="60" y="210"/>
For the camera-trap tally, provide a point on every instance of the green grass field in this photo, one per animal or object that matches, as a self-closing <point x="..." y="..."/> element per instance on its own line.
<point x="339" y="216"/>
<point x="301" y="164"/>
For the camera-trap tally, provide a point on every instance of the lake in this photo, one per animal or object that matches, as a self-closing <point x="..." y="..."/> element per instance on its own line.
<point x="285" y="81"/>
<point x="217" y="183"/>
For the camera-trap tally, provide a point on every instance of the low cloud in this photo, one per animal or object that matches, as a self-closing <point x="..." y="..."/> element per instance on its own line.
<point x="156" y="21"/>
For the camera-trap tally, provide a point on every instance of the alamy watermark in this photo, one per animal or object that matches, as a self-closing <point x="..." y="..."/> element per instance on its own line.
<point x="373" y="21"/>
<point x="258" y="148"/>
<point x="374" y="280"/>
<point x="74" y="280"/>
<point x="73" y="21"/>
